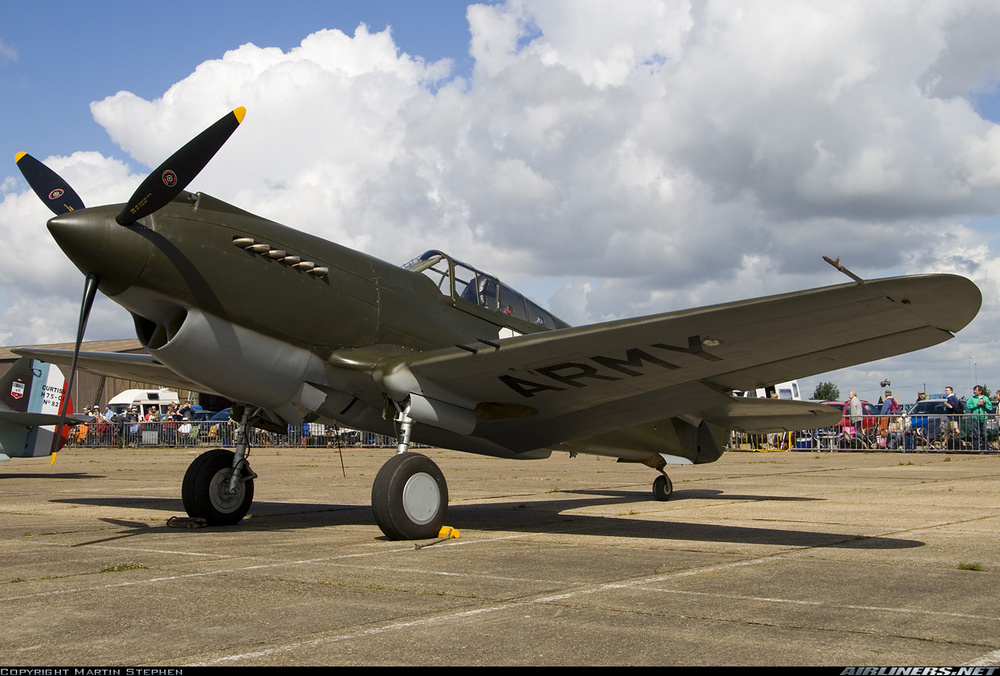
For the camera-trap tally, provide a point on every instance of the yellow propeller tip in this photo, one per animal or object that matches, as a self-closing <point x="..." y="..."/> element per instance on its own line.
<point x="53" y="461"/>
<point x="17" y="158"/>
<point x="239" y="113"/>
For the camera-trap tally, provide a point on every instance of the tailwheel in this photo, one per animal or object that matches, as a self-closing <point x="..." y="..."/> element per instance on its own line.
<point x="663" y="487"/>
<point x="208" y="491"/>
<point x="409" y="497"/>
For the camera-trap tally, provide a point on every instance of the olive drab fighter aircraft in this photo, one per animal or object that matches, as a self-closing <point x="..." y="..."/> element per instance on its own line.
<point x="297" y="329"/>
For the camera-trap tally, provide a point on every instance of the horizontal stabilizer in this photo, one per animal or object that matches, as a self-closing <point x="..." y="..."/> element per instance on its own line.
<point x="39" y="419"/>
<point x="139" y="367"/>
<point x="773" y="415"/>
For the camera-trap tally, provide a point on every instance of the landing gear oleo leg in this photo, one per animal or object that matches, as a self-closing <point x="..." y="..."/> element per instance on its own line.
<point x="218" y="485"/>
<point x="409" y="496"/>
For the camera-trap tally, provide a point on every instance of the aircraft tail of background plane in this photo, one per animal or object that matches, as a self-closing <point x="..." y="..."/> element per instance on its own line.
<point x="30" y="395"/>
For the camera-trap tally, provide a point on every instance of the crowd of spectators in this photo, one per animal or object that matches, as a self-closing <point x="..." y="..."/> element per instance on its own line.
<point x="172" y="426"/>
<point x="187" y="425"/>
<point x="941" y="422"/>
<point x="936" y="422"/>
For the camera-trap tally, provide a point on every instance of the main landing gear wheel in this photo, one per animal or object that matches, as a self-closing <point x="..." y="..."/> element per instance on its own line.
<point x="409" y="497"/>
<point x="663" y="487"/>
<point x="205" y="490"/>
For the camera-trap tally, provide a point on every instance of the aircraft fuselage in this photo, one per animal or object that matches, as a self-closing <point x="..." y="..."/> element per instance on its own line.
<point x="265" y="314"/>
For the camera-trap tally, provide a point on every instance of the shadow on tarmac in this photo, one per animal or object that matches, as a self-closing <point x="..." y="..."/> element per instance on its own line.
<point x="64" y="475"/>
<point x="691" y="494"/>
<point x="520" y="516"/>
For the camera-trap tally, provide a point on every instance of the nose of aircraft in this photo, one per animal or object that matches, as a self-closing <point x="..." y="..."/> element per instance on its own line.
<point x="96" y="243"/>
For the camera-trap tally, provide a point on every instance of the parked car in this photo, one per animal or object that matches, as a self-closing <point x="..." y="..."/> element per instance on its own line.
<point x="215" y="426"/>
<point x="868" y="421"/>
<point x="930" y="417"/>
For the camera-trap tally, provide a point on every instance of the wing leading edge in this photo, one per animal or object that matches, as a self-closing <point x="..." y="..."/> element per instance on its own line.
<point x="139" y="367"/>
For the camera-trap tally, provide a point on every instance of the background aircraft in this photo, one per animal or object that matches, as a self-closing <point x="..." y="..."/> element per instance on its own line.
<point x="297" y="329"/>
<point x="31" y="393"/>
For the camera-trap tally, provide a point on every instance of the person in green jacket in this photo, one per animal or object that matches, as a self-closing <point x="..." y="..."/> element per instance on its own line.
<point x="978" y="406"/>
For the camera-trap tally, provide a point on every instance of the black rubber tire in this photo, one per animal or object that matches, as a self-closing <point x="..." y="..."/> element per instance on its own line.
<point x="663" y="487"/>
<point x="409" y="497"/>
<point x="201" y="490"/>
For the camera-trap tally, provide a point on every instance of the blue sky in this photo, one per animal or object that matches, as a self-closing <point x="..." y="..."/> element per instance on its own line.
<point x="609" y="159"/>
<point x="69" y="54"/>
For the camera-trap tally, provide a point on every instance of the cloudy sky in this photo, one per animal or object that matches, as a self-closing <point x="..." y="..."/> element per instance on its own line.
<point x="611" y="158"/>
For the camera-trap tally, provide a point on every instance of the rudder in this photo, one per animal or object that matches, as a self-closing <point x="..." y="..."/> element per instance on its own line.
<point x="30" y="395"/>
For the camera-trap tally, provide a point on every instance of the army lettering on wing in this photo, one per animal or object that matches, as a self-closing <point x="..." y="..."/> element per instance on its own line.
<point x="582" y="371"/>
<point x="527" y="388"/>
<point x="577" y="374"/>
<point x="635" y="358"/>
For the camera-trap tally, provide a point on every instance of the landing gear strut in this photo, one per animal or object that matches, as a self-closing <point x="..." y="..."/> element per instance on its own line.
<point x="409" y="496"/>
<point x="218" y="485"/>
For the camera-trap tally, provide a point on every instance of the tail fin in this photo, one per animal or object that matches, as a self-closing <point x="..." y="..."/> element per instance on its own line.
<point x="30" y="395"/>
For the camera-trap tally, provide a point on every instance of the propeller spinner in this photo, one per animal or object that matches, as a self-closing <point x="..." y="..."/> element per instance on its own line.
<point x="156" y="191"/>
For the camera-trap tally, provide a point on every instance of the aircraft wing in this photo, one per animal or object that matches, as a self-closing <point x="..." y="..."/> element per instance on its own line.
<point x="140" y="367"/>
<point x="536" y="390"/>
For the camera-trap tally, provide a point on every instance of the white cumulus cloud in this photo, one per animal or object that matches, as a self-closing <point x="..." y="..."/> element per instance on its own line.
<point x="652" y="154"/>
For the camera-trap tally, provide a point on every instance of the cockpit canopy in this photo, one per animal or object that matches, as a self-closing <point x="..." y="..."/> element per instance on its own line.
<point x="463" y="282"/>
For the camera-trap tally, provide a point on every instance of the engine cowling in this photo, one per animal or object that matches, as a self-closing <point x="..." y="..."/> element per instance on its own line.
<point x="239" y="363"/>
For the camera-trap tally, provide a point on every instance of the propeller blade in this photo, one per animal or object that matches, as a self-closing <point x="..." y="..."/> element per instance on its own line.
<point x="50" y="187"/>
<point x="170" y="178"/>
<point x="89" y="291"/>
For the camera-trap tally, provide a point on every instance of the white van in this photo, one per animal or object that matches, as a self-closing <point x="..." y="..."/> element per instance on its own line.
<point x="142" y="400"/>
<point x="788" y="390"/>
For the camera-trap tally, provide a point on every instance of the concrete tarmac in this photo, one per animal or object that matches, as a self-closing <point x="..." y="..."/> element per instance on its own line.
<point x="798" y="558"/>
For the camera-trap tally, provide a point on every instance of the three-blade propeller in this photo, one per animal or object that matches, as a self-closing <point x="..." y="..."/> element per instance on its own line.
<point x="157" y="190"/>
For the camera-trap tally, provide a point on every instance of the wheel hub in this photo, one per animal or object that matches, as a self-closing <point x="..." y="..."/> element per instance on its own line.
<point x="222" y="498"/>
<point x="421" y="498"/>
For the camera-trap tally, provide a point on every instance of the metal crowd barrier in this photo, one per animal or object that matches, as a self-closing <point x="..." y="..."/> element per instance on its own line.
<point x="899" y="433"/>
<point x="875" y="433"/>
<point x="212" y="434"/>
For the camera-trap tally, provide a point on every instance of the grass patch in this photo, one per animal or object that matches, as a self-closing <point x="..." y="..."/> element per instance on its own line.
<point x="123" y="566"/>
<point x="970" y="565"/>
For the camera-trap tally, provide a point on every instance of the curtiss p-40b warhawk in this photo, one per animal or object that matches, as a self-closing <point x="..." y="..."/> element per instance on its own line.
<point x="299" y="329"/>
